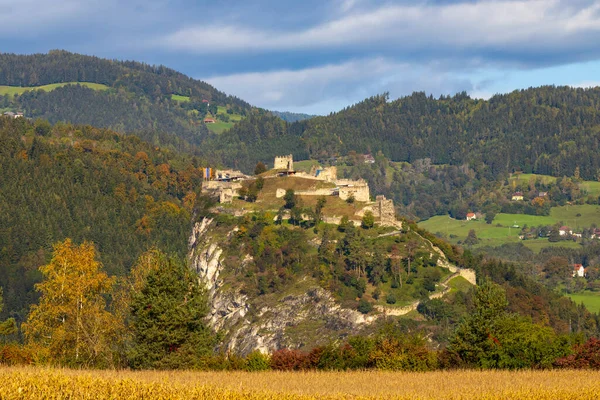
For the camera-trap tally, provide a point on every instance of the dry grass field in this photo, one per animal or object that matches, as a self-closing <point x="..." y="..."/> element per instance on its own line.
<point x="45" y="383"/>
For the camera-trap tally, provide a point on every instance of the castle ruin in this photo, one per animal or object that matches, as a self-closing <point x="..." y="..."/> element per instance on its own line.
<point x="284" y="163"/>
<point x="358" y="189"/>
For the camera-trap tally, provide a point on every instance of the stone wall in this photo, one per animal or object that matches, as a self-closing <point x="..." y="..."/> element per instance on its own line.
<point x="328" y="174"/>
<point x="359" y="189"/>
<point x="385" y="211"/>
<point x="284" y="162"/>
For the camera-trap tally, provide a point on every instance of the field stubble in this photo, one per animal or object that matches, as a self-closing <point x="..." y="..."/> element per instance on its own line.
<point x="46" y="383"/>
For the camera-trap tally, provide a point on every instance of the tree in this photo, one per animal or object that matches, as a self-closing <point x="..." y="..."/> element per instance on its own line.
<point x="260" y="168"/>
<point x="471" y="239"/>
<point x="8" y="327"/>
<point x="71" y="323"/>
<point x="290" y="199"/>
<point x="489" y="217"/>
<point x="168" y="324"/>
<point x="368" y="220"/>
<point x="490" y="337"/>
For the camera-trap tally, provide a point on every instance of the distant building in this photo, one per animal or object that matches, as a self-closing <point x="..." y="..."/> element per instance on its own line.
<point x="471" y="216"/>
<point x="564" y="231"/>
<point x="209" y="121"/>
<point x="517" y="196"/>
<point x="369" y="159"/>
<point x="542" y="194"/>
<point x="578" y="270"/>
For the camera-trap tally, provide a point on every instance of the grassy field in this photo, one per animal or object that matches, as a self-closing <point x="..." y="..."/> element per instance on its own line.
<point x="590" y="187"/>
<point x="511" y="224"/>
<point x="591" y="300"/>
<point x="42" y="383"/>
<point x="305" y="165"/>
<point x="179" y="98"/>
<point x="12" y="90"/>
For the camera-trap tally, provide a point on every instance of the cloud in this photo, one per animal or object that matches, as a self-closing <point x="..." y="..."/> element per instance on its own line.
<point x="334" y="86"/>
<point x="26" y="17"/>
<point x="511" y="27"/>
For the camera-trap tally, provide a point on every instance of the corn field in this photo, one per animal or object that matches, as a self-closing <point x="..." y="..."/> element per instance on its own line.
<point x="47" y="383"/>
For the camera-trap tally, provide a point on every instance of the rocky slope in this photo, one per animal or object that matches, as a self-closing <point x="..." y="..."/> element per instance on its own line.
<point x="303" y="316"/>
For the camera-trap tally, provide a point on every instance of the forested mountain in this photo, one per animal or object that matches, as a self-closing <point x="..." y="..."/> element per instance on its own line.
<point x="85" y="183"/>
<point x="157" y="103"/>
<point x="292" y="117"/>
<point x="548" y="130"/>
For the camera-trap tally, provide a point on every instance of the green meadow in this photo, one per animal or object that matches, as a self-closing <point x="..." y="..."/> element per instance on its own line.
<point x="590" y="300"/>
<point x="506" y="227"/>
<point x="12" y="90"/>
<point x="179" y="98"/>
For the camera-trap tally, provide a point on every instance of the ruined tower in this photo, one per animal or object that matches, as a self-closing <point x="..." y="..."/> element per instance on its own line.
<point x="284" y="162"/>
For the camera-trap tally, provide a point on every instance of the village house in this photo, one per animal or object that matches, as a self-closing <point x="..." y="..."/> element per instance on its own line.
<point x="578" y="271"/>
<point x="369" y="159"/>
<point x="209" y="121"/>
<point x="471" y="216"/>
<point x="565" y="231"/>
<point x="13" y="115"/>
<point x="542" y="194"/>
<point x="517" y="196"/>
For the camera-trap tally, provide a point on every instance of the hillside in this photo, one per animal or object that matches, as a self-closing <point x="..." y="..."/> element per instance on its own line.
<point x="546" y="130"/>
<point x="160" y="105"/>
<point x="85" y="183"/>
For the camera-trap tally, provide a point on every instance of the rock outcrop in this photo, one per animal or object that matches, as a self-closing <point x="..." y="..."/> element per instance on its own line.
<point x="306" y="317"/>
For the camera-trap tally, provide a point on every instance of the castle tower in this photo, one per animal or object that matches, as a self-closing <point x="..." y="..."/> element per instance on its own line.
<point x="284" y="162"/>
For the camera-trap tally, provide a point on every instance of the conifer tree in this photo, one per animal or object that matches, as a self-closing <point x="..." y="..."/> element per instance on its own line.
<point x="168" y="319"/>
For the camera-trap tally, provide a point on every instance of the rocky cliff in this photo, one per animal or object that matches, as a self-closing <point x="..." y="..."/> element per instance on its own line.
<point x="303" y="316"/>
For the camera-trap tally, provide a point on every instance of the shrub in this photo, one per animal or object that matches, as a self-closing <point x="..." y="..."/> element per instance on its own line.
<point x="364" y="306"/>
<point x="288" y="360"/>
<point x="15" y="354"/>
<point x="257" y="361"/>
<point x="390" y="299"/>
<point x="585" y="356"/>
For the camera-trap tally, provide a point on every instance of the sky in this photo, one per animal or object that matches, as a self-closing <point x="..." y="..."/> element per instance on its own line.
<point x="319" y="56"/>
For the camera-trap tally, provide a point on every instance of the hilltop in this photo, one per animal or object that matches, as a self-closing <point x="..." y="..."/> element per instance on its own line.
<point x="159" y="104"/>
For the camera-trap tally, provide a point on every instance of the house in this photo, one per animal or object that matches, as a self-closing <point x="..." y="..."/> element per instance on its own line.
<point x="542" y="194"/>
<point x="19" y="115"/>
<point x="578" y="270"/>
<point x="369" y="159"/>
<point x="596" y="233"/>
<point x="471" y="216"/>
<point x="209" y="121"/>
<point x="564" y="231"/>
<point x="9" y="114"/>
<point x="517" y="196"/>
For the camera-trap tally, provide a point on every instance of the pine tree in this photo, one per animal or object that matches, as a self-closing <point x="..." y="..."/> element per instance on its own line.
<point x="168" y="319"/>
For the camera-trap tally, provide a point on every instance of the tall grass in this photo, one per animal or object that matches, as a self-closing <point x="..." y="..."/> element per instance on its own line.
<point x="44" y="383"/>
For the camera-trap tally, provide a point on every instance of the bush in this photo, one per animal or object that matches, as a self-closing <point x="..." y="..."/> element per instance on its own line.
<point x="585" y="356"/>
<point x="257" y="361"/>
<point x="364" y="306"/>
<point x="15" y="354"/>
<point x="288" y="360"/>
<point x="390" y="299"/>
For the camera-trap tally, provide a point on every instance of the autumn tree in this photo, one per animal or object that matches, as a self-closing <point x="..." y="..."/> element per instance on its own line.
<point x="71" y="324"/>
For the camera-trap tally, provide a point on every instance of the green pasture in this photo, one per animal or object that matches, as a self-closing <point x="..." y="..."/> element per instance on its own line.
<point x="219" y="126"/>
<point x="506" y="227"/>
<point x="590" y="187"/>
<point x="12" y="90"/>
<point x="305" y="165"/>
<point x="179" y="98"/>
<point x="590" y="300"/>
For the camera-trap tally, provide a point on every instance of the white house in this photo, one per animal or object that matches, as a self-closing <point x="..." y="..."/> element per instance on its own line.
<point x="578" y="270"/>
<point x="471" y="216"/>
<point x="564" y="231"/>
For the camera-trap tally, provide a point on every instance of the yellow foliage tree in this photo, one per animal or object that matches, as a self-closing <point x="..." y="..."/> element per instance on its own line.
<point x="71" y="323"/>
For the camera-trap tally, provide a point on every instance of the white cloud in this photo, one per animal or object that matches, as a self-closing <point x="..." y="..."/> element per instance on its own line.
<point x="496" y="24"/>
<point x="586" y="84"/>
<point x="334" y="86"/>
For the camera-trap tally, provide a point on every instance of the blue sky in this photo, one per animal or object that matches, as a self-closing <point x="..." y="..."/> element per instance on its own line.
<point x="320" y="56"/>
